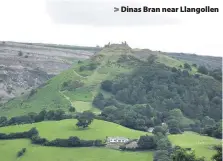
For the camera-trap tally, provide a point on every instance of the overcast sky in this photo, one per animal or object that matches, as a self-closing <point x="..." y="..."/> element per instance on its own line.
<point x="93" y="22"/>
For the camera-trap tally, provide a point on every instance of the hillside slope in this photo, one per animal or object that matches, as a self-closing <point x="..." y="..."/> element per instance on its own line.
<point x="79" y="85"/>
<point x="27" y="66"/>
<point x="207" y="61"/>
<point x="52" y="95"/>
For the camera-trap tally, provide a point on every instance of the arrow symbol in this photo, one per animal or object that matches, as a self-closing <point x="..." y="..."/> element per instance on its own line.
<point x="116" y="9"/>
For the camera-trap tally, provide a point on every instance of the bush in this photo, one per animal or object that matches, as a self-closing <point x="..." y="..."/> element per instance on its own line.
<point x="72" y="109"/>
<point x="174" y="69"/>
<point x="82" y="68"/>
<point x="72" y="85"/>
<point x="32" y="92"/>
<point x="187" y="66"/>
<point x="20" y="53"/>
<point x="21" y="152"/>
<point x="106" y="85"/>
<point x="194" y="65"/>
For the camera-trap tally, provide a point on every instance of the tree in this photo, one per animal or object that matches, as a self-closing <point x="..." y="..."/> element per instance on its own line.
<point x="20" y="53"/>
<point x="147" y="142"/>
<point x="3" y="120"/>
<point x="203" y="70"/>
<point x="151" y="59"/>
<point x="218" y="155"/>
<point x="194" y="65"/>
<point x="159" y="129"/>
<point x="161" y="155"/>
<point x="107" y="85"/>
<point x="174" y="69"/>
<point x="164" y="144"/>
<point x="173" y="126"/>
<point x="85" y="119"/>
<point x="72" y="109"/>
<point x="99" y="101"/>
<point x="207" y="121"/>
<point x="32" y="92"/>
<point x="21" y="152"/>
<point x="187" y="66"/>
<point x="79" y="62"/>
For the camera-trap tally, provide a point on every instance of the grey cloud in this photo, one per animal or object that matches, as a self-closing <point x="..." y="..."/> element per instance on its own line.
<point x="101" y="13"/>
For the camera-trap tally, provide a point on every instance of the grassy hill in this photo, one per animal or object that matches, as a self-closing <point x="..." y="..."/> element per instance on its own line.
<point x="64" y="129"/>
<point x="38" y="153"/>
<point x="201" y="144"/>
<point x="51" y="96"/>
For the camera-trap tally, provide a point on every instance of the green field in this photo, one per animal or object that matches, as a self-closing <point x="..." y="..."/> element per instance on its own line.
<point x="39" y="153"/>
<point x="66" y="128"/>
<point x="100" y="129"/>
<point x="201" y="144"/>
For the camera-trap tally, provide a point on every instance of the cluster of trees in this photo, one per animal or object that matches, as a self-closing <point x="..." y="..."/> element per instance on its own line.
<point x="162" y="89"/>
<point x="72" y="141"/>
<point x="143" y="116"/>
<point x="139" y="117"/>
<point x="34" y="117"/>
<point x="19" y="135"/>
<point x="211" y="128"/>
<point x="33" y="134"/>
<point x="215" y="73"/>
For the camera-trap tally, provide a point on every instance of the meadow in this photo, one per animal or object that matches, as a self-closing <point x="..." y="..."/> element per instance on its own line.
<point x="99" y="130"/>
<point x="39" y="153"/>
<point x="201" y="144"/>
<point x="63" y="129"/>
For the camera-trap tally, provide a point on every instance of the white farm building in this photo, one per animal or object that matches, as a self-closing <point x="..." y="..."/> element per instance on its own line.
<point x="117" y="139"/>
